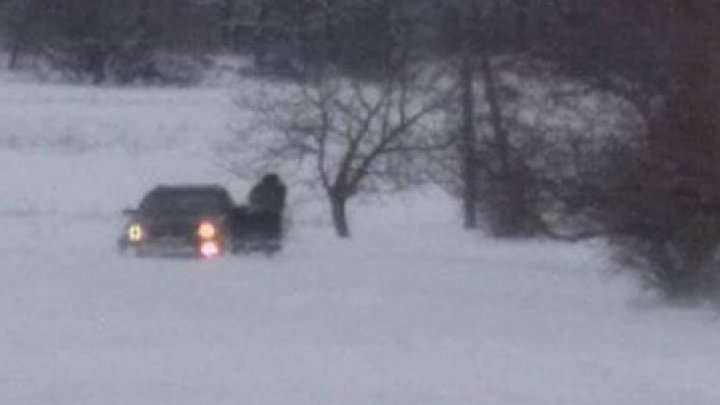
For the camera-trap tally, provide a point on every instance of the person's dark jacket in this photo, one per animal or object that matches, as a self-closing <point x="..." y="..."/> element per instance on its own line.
<point x="268" y="195"/>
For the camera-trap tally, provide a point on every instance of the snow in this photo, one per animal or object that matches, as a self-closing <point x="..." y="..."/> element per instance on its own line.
<point x="412" y="311"/>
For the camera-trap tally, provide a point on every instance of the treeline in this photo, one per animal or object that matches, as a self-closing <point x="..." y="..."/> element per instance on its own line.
<point x="113" y="40"/>
<point x="95" y="37"/>
<point x="569" y="119"/>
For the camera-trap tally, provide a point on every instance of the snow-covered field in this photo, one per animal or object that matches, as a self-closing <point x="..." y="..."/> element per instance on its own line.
<point x="412" y="311"/>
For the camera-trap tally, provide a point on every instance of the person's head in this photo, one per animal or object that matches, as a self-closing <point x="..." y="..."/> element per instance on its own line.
<point x="271" y="178"/>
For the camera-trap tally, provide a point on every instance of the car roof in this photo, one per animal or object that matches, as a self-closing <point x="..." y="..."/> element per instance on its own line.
<point x="191" y="188"/>
<point x="211" y="189"/>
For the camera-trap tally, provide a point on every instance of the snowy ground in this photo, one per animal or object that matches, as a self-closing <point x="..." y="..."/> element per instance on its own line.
<point x="413" y="311"/>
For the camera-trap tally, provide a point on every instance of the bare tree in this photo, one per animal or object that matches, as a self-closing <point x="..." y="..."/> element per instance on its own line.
<point x="358" y="137"/>
<point x="456" y="32"/>
<point x="15" y="18"/>
<point x="468" y="138"/>
<point x="476" y="34"/>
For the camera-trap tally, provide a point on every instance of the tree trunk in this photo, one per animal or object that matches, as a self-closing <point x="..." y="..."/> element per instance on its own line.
<point x="508" y="202"/>
<point x="339" y="215"/>
<point x="14" y="55"/>
<point x="227" y="25"/>
<point x="260" y="40"/>
<point x="468" y="141"/>
<point x="330" y="54"/>
<point x="522" y="13"/>
<point x="496" y="120"/>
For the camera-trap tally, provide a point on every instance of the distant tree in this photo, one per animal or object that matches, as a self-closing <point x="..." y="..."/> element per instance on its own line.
<point x="21" y="27"/>
<point x="359" y="37"/>
<point x="86" y="38"/>
<point x="495" y="181"/>
<point x="12" y="15"/>
<point x="115" y="40"/>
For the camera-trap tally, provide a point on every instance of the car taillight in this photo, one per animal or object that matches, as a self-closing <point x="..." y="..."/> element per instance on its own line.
<point x="207" y="230"/>
<point x="135" y="233"/>
<point x="209" y="249"/>
<point x="209" y="244"/>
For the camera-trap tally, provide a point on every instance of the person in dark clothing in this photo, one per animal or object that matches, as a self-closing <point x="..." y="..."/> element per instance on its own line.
<point x="268" y="195"/>
<point x="267" y="202"/>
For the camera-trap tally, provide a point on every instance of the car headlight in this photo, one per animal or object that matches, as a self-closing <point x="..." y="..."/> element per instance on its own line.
<point x="135" y="233"/>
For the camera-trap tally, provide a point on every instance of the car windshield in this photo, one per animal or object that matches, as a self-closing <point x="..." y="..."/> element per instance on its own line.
<point x="185" y="201"/>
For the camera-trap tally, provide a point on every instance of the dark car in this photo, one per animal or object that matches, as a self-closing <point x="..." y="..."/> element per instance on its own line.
<point x="180" y="221"/>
